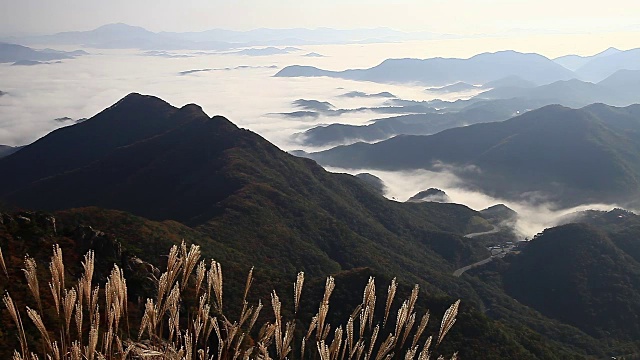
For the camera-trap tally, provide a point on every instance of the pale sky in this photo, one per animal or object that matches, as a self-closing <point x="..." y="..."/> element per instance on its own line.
<point x="440" y="16"/>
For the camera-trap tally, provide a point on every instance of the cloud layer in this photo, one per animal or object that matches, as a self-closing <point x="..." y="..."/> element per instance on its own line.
<point x="245" y="94"/>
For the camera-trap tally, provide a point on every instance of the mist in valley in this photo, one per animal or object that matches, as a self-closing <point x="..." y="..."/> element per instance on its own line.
<point x="534" y="214"/>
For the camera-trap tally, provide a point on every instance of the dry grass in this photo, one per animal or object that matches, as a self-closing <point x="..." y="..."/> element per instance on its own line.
<point x="170" y="330"/>
<point x="31" y="274"/>
<point x="3" y="265"/>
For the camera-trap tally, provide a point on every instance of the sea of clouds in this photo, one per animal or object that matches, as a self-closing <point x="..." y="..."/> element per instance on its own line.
<point x="250" y="96"/>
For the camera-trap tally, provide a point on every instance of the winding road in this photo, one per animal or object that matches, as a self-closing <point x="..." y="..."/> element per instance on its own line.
<point x="462" y="270"/>
<point x="492" y="231"/>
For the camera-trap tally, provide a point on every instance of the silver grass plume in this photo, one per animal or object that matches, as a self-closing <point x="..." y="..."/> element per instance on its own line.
<point x="247" y="285"/>
<point x="31" y="274"/>
<point x="56" y="267"/>
<point x="15" y="316"/>
<point x="2" y="263"/>
<point x="391" y="292"/>
<point x="297" y="290"/>
<point x="448" y="320"/>
<point x="420" y="330"/>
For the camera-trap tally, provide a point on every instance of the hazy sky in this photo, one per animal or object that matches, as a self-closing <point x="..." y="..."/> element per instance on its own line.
<point x="440" y="16"/>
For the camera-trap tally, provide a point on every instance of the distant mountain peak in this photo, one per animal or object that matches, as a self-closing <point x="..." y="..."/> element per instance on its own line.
<point x="116" y="27"/>
<point x="478" y="69"/>
<point x="506" y="53"/>
<point x="609" y="51"/>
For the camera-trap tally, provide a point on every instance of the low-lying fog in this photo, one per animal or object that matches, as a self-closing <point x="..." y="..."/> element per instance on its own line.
<point x="534" y="215"/>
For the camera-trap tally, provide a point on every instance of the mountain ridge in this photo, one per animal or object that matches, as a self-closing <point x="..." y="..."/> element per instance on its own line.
<point x="17" y="54"/>
<point x="124" y="36"/>
<point x="602" y="67"/>
<point x="574" y="62"/>
<point x="478" y="69"/>
<point x="586" y="153"/>
<point x="575" y="93"/>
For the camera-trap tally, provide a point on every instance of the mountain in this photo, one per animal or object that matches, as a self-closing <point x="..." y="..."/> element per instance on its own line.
<point x="617" y="220"/>
<point x="268" y="51"/>
<point x="240" y="67"/>
<point x="431" y="194"/>
<point x="511" y="81"/>
<point x="499" y="213"/>
<point x="314" y="105"/>
<point x="117" y="169"/>
<point x="32" y="63"/>
<point x="600" y="68"/>
<point x="12" y="53"/>
<point x="360" y="94"/>
<point x="626" y="81"/>
<point x="505" y="98"/>
<point x="477" y="111"/>
<point x="478" y="69"/>
<point x="295" y="36"/>
<point x="123" y="36"/>
<point x="64" y="155"/>
<point x="574" y="62"/>
<point x="457" y="87"/>
<point x="201" y="178"/>
<point x="573" y="93"/>
<point x="315" y="108"/>
<point x="138" y="246"/>
<point x="8" y="150"/>
<point x="572" y="156"/>
<point x="373" y="181"/>
<point x="577" y="274"/>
